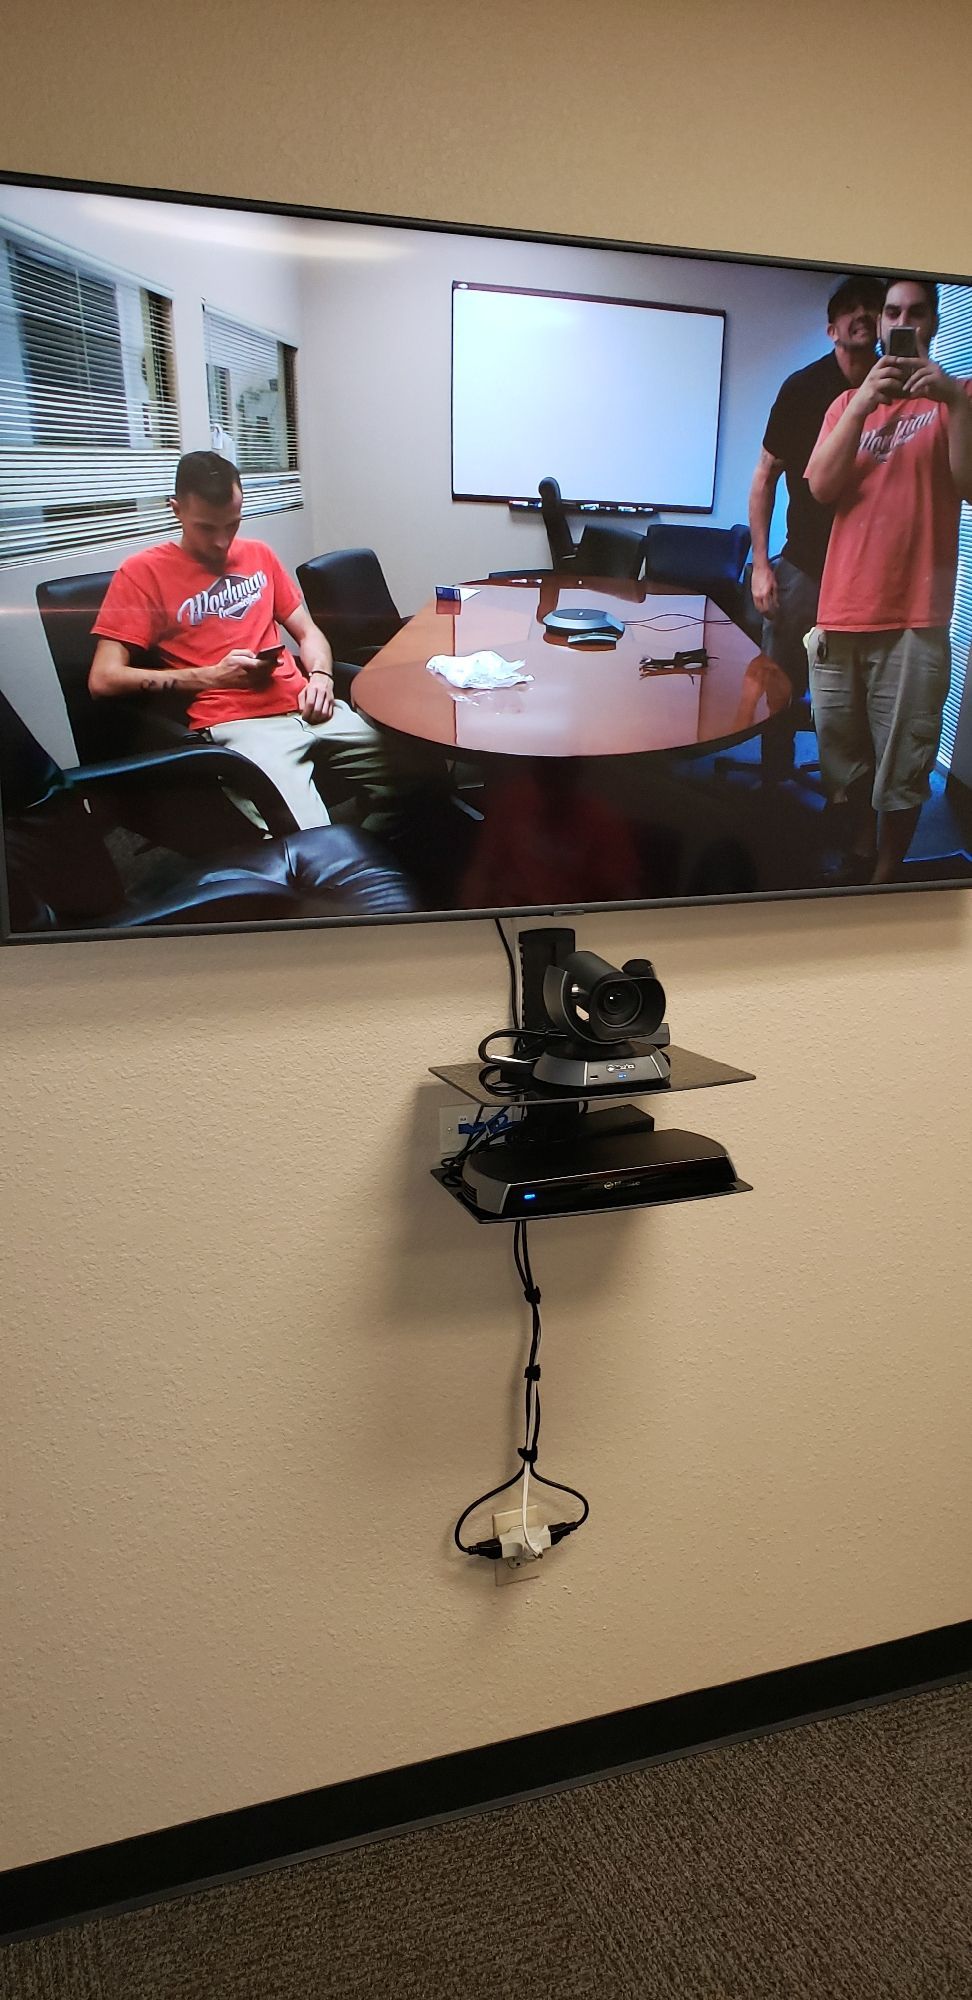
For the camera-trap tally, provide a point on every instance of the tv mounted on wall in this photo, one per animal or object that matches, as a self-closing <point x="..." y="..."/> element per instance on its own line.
<point x="454" y="611"/>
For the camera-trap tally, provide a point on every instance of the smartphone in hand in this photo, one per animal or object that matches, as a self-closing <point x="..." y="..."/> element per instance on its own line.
<point x="903" y="344"/>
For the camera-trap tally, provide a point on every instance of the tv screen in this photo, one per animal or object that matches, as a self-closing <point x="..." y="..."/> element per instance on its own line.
<point x="364" y="570"/>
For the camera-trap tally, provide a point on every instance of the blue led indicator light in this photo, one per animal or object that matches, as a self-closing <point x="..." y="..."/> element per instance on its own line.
<point x="529" y="1197"/>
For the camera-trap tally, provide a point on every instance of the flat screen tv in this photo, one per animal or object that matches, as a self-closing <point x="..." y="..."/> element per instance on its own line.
<point x="360" y="569"/>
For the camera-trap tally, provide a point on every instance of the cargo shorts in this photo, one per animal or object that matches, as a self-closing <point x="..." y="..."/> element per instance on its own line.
<point x="878" y="700"/>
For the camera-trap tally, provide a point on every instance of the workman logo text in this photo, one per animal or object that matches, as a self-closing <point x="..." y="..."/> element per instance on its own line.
<point x="882" y="443"/>
<point x="231" y="597"/>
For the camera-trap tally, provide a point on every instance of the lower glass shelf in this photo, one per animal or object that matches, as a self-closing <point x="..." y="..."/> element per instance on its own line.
<point x="635" y="1200"/>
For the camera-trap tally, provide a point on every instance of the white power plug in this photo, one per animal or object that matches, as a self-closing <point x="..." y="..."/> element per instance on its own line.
<point x="518" y="1561"/>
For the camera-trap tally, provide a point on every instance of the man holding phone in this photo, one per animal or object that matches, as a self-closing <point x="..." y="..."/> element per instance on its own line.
<point x="894" y="460"/>
<point x="785" y="591"/>
<point x="210" y="605"/>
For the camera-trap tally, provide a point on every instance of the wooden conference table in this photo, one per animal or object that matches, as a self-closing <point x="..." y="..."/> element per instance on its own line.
<point x="580" y="702"/>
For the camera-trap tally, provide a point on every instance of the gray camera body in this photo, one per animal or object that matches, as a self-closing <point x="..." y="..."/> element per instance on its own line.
<point x="603" y="1025"/>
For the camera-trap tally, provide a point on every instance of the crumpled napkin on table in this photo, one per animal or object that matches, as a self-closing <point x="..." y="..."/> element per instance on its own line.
<point x="478" y="670"/>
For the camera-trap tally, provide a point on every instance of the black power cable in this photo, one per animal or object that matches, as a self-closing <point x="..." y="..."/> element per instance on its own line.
<point x="509" y="1068"/>
<point x="452" y="1164"/>
<point x="529" y="1449"/>
<point x="505" y="1076"/>
<point x="511" y="962"/>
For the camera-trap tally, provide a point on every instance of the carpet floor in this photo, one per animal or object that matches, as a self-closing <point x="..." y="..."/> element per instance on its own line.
<point x="830" y="1861"/>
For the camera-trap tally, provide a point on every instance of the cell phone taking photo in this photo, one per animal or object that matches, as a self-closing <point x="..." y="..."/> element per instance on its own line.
<point x="903" y="344"/>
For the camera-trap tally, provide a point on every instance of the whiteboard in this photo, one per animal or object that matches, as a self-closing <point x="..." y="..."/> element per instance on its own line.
<point x="617" y="400"/>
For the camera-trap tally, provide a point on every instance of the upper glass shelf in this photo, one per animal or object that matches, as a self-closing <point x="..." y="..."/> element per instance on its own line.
<point x="689" y="1072"/>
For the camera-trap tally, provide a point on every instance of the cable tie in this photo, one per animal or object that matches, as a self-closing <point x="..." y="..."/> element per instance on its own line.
<point x="532" y="1374"/>
<point x="532" y="1294"/>
<point x="528" y="1453"/>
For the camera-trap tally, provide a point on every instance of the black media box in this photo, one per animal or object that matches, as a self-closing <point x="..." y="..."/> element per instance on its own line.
<point x="616" y="1159"/>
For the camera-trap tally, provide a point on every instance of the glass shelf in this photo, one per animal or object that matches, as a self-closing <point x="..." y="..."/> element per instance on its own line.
<point x="689" y="1072"/>
<point x="606" y="1208"/>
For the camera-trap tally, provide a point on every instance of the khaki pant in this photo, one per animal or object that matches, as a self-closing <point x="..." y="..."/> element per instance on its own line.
<point x="344" y="757"/>
<point x="783" y="636"/>
<point x="878" y="699"/>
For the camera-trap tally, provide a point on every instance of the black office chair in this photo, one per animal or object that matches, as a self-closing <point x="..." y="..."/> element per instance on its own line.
<point x="347" y="596"/>
<point x="601" y="551"/>
<point x="68" y="608"/>
<point x="178" y="801"/>
<point x="611" y="552"/>
<point x="562" y="550"/>
<point x="706" y="561"/>
<point x="61" y="875"/>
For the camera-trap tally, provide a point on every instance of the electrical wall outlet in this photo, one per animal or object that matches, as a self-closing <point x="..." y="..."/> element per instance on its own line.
<point x="511" y="1569"/>
<point x="460" y="1123"/>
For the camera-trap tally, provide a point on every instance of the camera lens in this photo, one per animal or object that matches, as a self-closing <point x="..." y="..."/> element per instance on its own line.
<point x="619" y="1005"/>
<point x="594" y="1001"/>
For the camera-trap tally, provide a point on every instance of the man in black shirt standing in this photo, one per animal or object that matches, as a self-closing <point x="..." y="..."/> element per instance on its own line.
<point x="785" y="591"/>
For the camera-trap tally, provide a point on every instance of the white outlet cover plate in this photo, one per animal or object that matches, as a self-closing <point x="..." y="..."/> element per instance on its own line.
<point x="515" y="1572"/>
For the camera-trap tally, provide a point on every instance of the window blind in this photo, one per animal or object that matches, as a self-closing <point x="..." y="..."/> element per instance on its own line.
<point x="89" y="428"/>
<point x="250" y="377"/>
<point x="953" y="349"/>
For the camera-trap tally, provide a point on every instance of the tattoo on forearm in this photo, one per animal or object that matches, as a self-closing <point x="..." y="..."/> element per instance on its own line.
<point x="159" y="683"/>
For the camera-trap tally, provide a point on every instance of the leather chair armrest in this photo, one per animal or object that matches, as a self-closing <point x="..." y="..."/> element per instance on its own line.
<point x="344" y="674"/>
<point x="167" y="769"/>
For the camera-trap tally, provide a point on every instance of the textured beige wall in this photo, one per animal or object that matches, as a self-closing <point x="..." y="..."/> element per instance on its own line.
<point x="256" y="1360"/>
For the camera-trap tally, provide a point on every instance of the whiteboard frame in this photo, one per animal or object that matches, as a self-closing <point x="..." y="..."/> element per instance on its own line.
<point x="602" y="503"/>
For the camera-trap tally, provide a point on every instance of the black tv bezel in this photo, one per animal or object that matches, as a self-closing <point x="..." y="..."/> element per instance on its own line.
<point x="100" y="934"/>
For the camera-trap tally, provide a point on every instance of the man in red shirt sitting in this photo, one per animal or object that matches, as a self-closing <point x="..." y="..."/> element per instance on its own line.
<point x="210" y="606"/>
<point x="894" y="460"/>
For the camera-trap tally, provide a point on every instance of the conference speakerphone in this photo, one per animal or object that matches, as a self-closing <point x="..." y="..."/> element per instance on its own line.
<point x="585" y="620"/>
<point x="617" y="1159"/>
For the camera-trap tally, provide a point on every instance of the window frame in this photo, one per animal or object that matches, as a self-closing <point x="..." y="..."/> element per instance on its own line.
<point x="71" y="492"/>
<point x="267" y="489"/>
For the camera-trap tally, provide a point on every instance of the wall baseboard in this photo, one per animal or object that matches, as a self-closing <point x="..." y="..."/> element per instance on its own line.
<point x="125" y="1874"/>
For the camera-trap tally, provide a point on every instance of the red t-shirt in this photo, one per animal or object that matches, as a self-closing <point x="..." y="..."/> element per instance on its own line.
<point x="162" y="598"/>
<point x="893" y="549"/>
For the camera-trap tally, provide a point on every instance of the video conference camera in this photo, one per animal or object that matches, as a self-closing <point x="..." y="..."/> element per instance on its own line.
<point x="595" y="1001"/>
<point x="602" y="1026"/>
<point x="588" y="1029"/>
